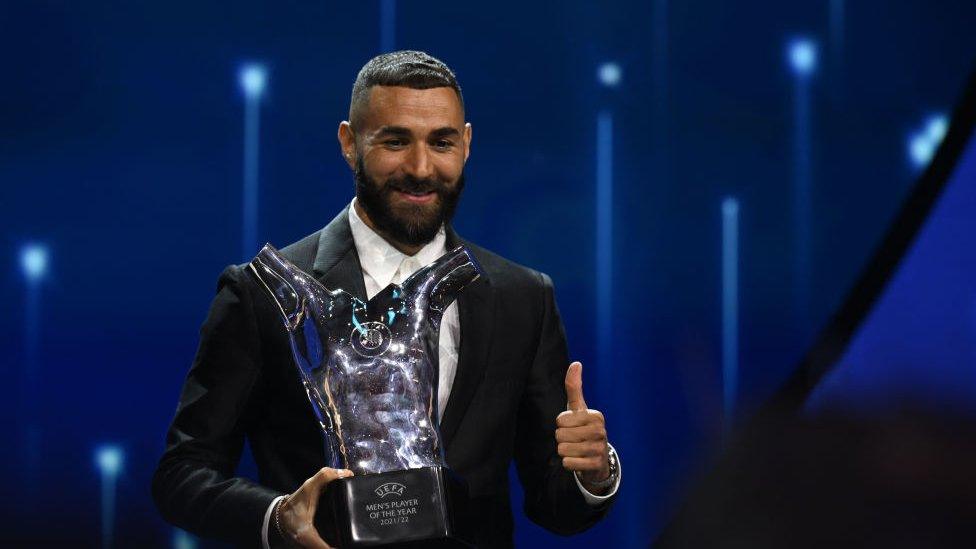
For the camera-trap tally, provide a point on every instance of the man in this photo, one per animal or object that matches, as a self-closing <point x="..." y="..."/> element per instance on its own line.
<point x="505" y="390"/>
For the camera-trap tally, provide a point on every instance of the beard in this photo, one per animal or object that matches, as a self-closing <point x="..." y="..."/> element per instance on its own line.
<point x="411" y="224"/>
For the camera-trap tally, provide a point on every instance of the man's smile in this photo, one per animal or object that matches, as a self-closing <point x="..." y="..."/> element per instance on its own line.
<point x="416" y="197"/>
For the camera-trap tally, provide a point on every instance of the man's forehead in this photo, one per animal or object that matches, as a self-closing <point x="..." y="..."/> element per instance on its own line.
<point x="408" y="107"/>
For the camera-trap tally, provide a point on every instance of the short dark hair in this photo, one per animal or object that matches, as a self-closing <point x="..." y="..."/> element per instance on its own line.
<point x="412" y="69"/>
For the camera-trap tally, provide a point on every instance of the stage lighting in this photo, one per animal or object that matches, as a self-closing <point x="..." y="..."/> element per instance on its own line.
<point x="33" y="261"/>
<point x="730" y="309"/>
<point x="253" y="79"/>
<point x="109" y="460"/>
<point x="604" y="248"/>
<point x="923" y="143"/>
<point x="936" y="128"/>
<point x="183" y="540"/>
<point x="803" y="56"/>
<point x="387" y="25"/>
<point x="609" y="74"/>
<point x="920" y="150"/>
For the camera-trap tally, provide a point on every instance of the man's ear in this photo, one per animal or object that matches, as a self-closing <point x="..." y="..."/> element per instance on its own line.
<point x="467" y="141"/>
<point x="347" y="142"/>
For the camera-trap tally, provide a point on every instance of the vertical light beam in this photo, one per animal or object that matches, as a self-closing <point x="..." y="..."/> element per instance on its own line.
<point x="253" y="81"/>
<point x="609" y="392"/>
<point x="109" y="460"/>
<point x="802" y="55"/>
<point x="837" y="44"/>
<point x="659" y="87"/>
<point x="34" y="262"/>
<point x="730" y="310"/>
<point x="609" y="75"/>
<point x="604" y="240"/>
<point x="387" y="25"/>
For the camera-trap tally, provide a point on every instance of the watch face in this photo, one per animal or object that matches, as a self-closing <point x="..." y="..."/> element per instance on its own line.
<point x="613" y="462"/>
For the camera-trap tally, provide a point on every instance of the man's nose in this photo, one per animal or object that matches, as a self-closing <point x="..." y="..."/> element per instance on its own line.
<point x="419" y="164"/>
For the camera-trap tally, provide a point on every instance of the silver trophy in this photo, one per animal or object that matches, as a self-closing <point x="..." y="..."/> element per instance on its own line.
<point x="370" y="372"/>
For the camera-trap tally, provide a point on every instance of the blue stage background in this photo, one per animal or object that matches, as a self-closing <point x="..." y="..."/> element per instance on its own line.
<point x="121" y="129"/>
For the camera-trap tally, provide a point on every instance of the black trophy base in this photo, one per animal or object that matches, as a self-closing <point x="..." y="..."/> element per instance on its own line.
<point x="425" y="507"/>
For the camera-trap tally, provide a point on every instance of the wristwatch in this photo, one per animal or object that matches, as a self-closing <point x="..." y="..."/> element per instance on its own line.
<point x="614" y="471"/>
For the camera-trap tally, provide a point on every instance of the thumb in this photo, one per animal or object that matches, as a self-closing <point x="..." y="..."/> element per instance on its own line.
<point x="574" y="388"/>
<point x="324" y="477"/>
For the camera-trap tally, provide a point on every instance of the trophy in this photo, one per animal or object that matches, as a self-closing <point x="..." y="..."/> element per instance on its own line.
<point x="370" y="372"/>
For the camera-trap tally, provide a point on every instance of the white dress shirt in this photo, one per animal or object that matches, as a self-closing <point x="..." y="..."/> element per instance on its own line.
<point x="382" y="264"/>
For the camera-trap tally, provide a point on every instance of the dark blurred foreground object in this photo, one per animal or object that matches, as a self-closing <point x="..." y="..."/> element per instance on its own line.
<point x="896" y="468"/>
<point x="907" y="481"/>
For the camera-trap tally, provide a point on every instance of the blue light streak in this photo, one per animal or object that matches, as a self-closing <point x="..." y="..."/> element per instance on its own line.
<point x="659" y="91"/>
<point x="604" y="241"/>
<point x="730" y="309"/>
<point x="109" y="460"/>
<point x="610" y="74"/>
<point x="837" y="16"/>
<point x="253" y="78"/>
<point x="803" y="60"/>
<point x="254" y="83"/>
<point x="802" y="54"/>
<point x="837" y="29"/>
<point x="923" y="143"/>
<point x="936" y="128"/>
<point x="34" y="262"/>
<point x="387" y="25"/>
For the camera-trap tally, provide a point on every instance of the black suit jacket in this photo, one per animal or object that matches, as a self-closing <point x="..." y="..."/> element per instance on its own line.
<point x="506" y="395"/>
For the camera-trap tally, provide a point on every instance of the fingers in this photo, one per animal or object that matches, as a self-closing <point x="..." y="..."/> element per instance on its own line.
<point x="298" y="510"/>
<point x="311" y="489"/>
<point x="590" y="432"/>
<point x="583" y="464"/>
<point x="582" y="449"/>
<point x="579" y="418"/>
<point x="328" y="474"/>
<point x="574" y="388"/>
<point x="324" y="477"/>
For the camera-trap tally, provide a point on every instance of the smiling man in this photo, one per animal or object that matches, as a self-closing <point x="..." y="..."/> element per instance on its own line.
<point x="506" y="389"/>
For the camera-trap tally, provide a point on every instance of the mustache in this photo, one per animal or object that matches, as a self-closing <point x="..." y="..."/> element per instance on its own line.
<point x="412" y="184"/>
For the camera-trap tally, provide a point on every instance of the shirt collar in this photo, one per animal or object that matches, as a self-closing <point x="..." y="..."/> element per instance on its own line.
<point x="379" y="259"/>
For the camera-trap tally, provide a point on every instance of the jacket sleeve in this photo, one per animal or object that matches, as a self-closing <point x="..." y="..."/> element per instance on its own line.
<point x="552" y="498"/>
<point x="194" y="486"/>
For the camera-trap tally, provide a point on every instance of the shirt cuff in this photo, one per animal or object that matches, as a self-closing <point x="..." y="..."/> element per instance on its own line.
<point x="267" y="522"/>
<point x="593" y="499"/>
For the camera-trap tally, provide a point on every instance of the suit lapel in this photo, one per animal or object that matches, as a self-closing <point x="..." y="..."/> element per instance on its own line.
<point x="476" y="312"/>
<point x="336" y="263"/>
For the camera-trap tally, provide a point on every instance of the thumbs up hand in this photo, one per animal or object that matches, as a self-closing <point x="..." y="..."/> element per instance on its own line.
<point x="581" y="435"/>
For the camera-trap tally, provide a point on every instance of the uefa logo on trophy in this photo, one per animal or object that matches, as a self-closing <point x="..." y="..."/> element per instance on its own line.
<point x="369" y="370"/>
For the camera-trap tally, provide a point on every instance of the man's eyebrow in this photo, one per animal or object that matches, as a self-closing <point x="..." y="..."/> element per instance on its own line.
<point x="446" y="131"/>
<point x="398" y="131"/>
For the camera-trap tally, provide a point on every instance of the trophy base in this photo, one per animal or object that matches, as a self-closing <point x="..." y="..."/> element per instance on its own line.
<point x="426" y="507"/>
